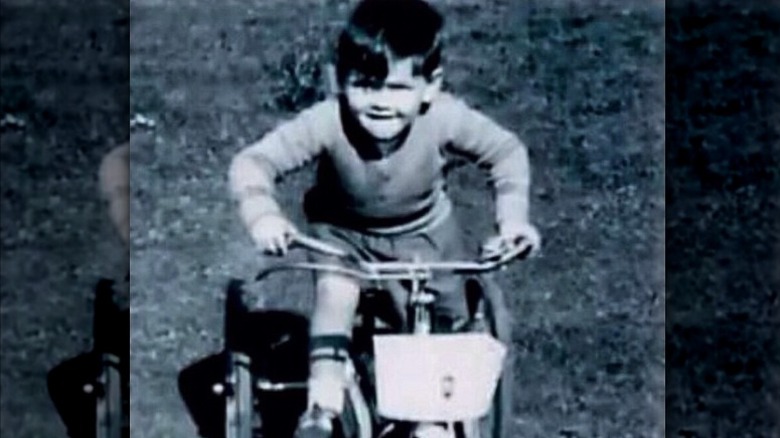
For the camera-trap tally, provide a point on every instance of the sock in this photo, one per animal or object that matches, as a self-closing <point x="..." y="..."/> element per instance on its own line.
<point x="327" y="381"/>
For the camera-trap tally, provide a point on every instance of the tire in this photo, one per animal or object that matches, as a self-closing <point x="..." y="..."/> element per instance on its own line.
<point x="109" y="415"/>
<point x="498" y="422"/>
<point x="239" y="401"/>
<point x="357" y="419"/>
<point x="110" y="349"/>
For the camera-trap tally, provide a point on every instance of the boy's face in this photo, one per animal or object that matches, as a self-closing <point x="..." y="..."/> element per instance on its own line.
<point x="385" y="108"/>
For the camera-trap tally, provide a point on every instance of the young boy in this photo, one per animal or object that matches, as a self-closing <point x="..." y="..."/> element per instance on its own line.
<point x="380" y="191"/>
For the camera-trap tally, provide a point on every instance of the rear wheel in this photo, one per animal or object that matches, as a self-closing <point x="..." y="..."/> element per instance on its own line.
<point x="356" y="420"/>
<point x="109" y="401"/>
<point x="239" y="401"/>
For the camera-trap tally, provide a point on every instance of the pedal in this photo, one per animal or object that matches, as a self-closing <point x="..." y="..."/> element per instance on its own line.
<point x="314" y="432"/>
<point x="477" y="324"/>
<point x="315" y="423"/>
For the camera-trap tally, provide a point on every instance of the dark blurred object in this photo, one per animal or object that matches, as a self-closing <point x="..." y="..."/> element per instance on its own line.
<point x="276" y="342"/>
<point x="81" y="387"/>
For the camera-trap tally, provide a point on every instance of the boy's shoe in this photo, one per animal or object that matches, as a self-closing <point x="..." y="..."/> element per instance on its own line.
<point x="428" y="430"/>
<point x="316" y="423"/>
<point x="327" y="385"/>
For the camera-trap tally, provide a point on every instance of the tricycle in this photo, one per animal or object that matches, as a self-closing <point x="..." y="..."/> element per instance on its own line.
<point x="402" y="380"/>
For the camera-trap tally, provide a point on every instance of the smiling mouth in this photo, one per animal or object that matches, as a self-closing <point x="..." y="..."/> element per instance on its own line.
<point x="380" y="116"/>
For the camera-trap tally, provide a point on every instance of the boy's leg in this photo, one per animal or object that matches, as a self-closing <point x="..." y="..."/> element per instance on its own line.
<point x="331" y="330"/>
<point x="336" y="301"/>
<point x="442" y="242"/>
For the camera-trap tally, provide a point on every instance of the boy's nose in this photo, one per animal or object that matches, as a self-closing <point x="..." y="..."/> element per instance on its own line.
<point x="381" y="106"/>
<point x="382" y="100"/>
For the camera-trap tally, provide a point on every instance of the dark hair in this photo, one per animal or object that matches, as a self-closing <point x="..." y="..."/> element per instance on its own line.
<point x="379" y="29"/>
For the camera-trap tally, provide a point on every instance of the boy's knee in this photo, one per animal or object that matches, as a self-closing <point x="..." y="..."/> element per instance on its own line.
<point x="336" y="304"/>
<point x="451" y="296"/>
<point x="337" y="291"/>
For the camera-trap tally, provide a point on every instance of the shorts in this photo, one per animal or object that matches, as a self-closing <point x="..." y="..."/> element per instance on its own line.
<point x="440" y="242"/>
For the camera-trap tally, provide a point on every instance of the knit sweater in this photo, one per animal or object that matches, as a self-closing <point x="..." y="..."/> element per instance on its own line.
<point x="406" y="183"/>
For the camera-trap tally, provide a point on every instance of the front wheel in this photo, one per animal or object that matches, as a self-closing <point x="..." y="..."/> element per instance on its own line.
<point x="497" y="321"/>
<point x="491" y="315"/>
<point x="356" y="420"/>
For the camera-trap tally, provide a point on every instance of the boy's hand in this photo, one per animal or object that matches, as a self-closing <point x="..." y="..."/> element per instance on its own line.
<point x="273" y="234"/>
<point x="523" y="238"/>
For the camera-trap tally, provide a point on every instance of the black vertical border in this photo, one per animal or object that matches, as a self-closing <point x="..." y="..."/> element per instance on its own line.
<point x="723" y="212"/>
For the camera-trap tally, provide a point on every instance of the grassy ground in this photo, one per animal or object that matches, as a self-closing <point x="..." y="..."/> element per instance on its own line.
<point x="582" y="86"/>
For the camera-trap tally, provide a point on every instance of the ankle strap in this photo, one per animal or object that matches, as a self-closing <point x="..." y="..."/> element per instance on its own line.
<point x="329" y="347"/>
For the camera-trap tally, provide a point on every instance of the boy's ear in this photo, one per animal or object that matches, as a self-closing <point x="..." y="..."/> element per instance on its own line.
<point x="434" y="85"/>
<point x="331" y="81"/>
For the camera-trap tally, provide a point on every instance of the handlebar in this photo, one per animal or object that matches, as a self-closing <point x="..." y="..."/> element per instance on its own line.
<point x="316" y="245"/>
<point x="386" y="271"/>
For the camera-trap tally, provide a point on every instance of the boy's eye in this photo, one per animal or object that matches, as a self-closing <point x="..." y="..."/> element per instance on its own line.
<point x="376" y="85"/>
<point x="365" y="83"/>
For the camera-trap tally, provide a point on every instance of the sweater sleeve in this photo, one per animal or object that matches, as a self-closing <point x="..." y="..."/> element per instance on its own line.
<point x="114" y="182"/>
<point x="255" y="170"/>
<point x="500" y="152"/>
<point x="114" y="172"/>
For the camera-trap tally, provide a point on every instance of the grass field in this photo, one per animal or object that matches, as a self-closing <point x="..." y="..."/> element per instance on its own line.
<point x="582" y="85"/>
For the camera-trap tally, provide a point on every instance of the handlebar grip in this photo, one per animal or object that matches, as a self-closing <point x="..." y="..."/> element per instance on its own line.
<point x="518" y="252"/>
<point x="522" y="255"/>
